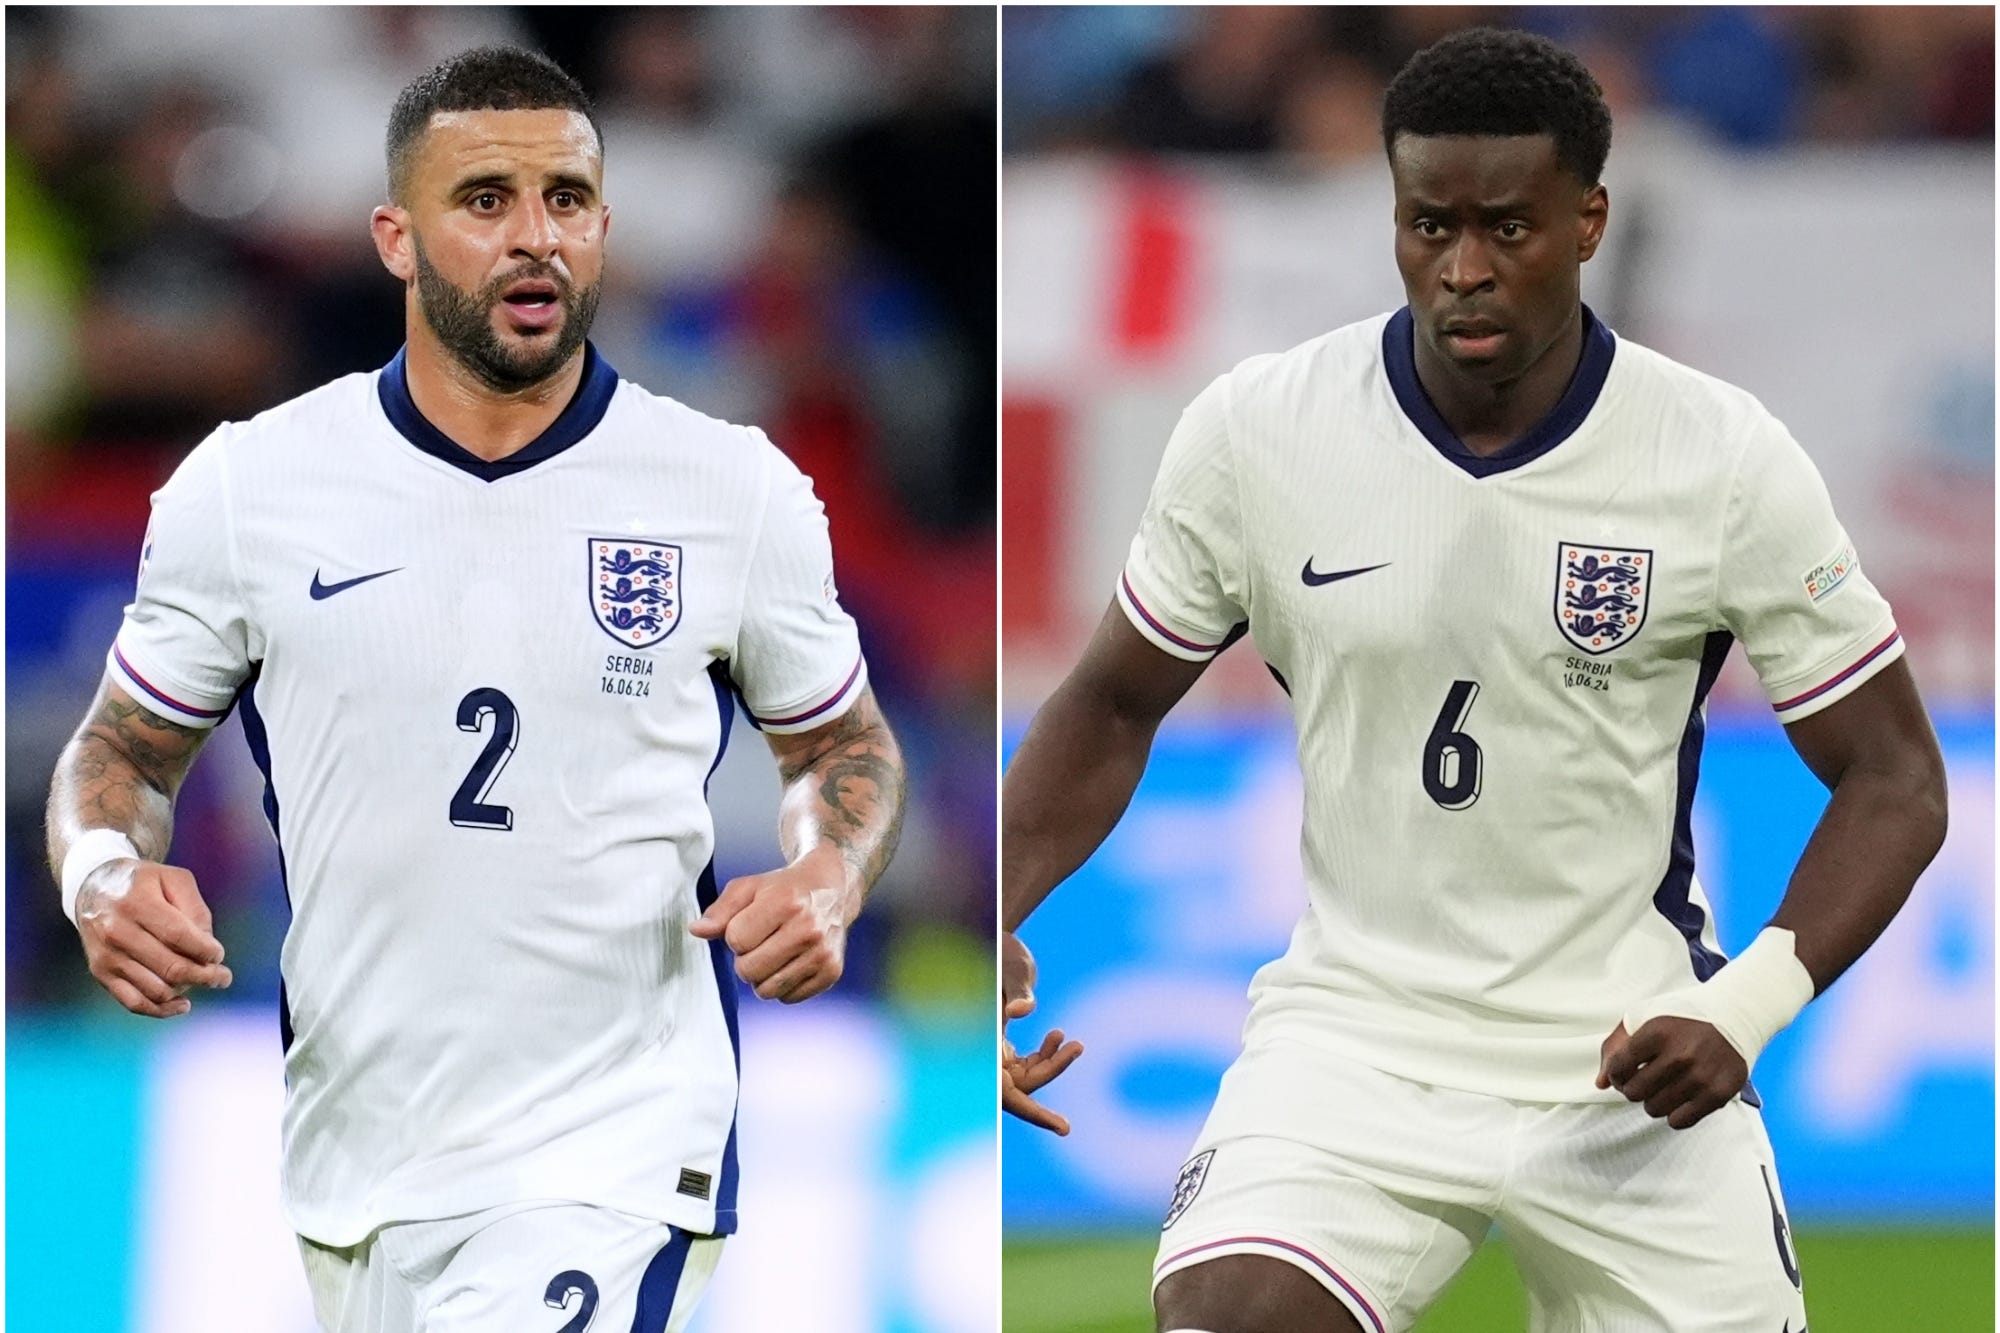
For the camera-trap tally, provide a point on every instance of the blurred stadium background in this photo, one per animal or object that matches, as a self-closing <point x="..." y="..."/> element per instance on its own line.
<point x="805" y="210"/>
<point x="1802" y="203"/>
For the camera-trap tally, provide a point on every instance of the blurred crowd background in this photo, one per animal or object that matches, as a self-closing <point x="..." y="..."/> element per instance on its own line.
<point x="804" y="240"/>
<point x="1306" y="82"/>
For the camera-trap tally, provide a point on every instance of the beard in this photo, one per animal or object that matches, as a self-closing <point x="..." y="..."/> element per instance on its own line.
<point x="463" y="323"/>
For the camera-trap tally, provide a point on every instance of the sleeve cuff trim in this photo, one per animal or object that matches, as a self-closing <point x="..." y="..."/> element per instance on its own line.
<point x="799" y="718"/>
<point x="1153" y="621"/>
<point x="125" y="668"/>
<point x="1871" y="655"/>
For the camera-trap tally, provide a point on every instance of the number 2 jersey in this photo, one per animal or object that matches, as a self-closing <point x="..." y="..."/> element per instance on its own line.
<point x="1497" y="668"/>
<point x="487" y="698"/>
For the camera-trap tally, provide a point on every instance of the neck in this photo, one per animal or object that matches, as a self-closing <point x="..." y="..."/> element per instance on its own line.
<point x="1489" y="415"/>
<point x="486" y="422"/>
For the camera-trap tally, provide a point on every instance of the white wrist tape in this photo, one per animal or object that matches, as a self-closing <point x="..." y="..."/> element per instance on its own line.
<point x="1757" y="993"/>
<point x="85" y="855"/>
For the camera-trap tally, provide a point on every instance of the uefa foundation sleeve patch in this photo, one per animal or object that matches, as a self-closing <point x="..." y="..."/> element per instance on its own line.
<point x="1825" y="577"/>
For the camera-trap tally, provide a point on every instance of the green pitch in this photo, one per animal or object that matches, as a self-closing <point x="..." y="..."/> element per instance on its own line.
<point x="1856" y="1282"/>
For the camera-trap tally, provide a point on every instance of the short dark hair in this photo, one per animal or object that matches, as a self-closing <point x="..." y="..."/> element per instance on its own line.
<point x="487" y="78"/>
<point x="1486" y="81"/>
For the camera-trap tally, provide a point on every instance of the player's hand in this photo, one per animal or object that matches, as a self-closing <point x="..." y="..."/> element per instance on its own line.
<point x="1681" y="1068"/>
<point x="148" y="936"/>
<point x="1022" y="1075"/>
<point x="787" y="928"/>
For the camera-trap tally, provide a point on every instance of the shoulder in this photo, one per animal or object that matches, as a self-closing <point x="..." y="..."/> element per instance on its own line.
<point x="666" y="430"/>
<point x="1690" y="406"/>
<point x="298" y="427"/>
<point x="1256" y="406"/>
<point x="665" y="421"/>
<point x="1336" y="361"/>
<point x="334" y="408"/>
<point x="1334" y="369"/>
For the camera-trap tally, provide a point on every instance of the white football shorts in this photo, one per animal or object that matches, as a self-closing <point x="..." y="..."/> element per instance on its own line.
<point x="1382" y="1188"/>
<point x="514" y="1268"/>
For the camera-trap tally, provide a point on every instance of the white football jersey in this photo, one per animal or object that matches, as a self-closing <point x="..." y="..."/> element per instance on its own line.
<point x="1497" y="668"/>
<point x="487" y="698"/>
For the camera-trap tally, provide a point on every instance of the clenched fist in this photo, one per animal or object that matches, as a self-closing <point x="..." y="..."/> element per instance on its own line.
<point x="1681" y="1068"/>
<point x="787" y="928"/>
<point x="148" y="936"/>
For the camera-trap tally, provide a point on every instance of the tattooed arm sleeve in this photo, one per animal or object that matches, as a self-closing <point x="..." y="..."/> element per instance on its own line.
<point x="844" y="788"/>
<point x="120" y="771"/>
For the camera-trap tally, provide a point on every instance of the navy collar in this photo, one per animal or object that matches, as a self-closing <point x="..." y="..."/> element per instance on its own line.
<point x="1399" y="358"/>
<point x="578" y="419"/>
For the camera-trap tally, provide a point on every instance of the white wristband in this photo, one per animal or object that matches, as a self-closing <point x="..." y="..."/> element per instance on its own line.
<point x="1754" y="996"/>
<point x="85" y="855"/>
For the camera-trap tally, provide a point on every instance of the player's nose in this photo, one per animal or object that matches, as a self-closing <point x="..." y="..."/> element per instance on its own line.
<point x="536" y="233"/>
<point x="1467" y="266"/>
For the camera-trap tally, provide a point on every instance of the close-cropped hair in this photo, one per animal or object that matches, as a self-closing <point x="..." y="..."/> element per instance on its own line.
<point x="1485" y="81"/>
<point x="487" y="78"/>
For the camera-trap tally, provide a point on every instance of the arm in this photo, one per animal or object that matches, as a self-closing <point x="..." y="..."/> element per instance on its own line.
<point x="1082" y="758"/>
<point x="145" y="930"/>
<point x="1877" y="754"/>
<point x="1069" y="784"/>
<point x="838" y="824"/>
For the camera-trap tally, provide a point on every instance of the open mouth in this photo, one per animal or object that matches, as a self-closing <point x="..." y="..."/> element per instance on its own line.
<point x="1474" y="339"/>
<point x="530" y="295"/>
<point x="533" y="304"/>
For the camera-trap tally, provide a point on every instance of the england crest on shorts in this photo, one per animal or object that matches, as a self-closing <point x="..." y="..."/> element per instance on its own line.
<point x="1601" y="594"/>
<point x="1189" y="1185"/>
<point x="635" y="589"/>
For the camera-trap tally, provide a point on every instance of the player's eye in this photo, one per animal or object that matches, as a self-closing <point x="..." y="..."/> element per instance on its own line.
<point x="1512" y="231"/>
<point x="565" y="199"/>
<point x="1428" y="227"/>
<point x="485" y="201"/>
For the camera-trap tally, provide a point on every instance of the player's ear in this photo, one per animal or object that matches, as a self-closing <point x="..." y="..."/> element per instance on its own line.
<point x="395" y="243"/>
<point x="1595" y="212"/>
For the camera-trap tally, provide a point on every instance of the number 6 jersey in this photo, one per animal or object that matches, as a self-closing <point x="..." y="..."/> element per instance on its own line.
<point x="1497" y="668"/>
<point x="486" y="698"/>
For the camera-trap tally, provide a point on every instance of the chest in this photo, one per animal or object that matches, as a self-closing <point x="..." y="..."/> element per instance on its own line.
<point x="1393" y="562"/>
<point x="570" y="590"/>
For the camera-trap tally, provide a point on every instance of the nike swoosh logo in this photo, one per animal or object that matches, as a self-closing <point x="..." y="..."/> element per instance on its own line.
<point x="1313" y="580"/>
<point x="322" y="591"/>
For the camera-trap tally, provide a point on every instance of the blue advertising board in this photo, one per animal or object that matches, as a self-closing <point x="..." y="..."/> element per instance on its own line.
<point x="143" y="1184"/>
<point x="1879" y="1099"/>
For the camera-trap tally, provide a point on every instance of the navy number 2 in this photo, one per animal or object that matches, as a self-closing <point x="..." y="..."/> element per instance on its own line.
<point x="558" y="1294"/>
<point x="1451" y="758"/>
<point x="468" y="807"/>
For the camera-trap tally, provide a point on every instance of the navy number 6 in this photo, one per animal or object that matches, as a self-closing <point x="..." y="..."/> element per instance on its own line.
<point x="1452" y="760"/>
<point x="468" y="808"/>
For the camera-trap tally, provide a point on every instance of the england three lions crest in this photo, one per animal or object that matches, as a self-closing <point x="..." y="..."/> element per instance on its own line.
<point x="1601" y="594"/>
<point x="635" y="589"/>
<point x="1192" y="1177"/>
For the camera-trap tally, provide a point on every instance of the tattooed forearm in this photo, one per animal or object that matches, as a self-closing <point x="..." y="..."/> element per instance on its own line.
<point x="844" y="786"/>
<point x="120" y="771"/>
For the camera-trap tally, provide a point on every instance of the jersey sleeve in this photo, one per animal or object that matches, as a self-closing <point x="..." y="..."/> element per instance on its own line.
<point x="798" y="662"/>
<point x="1182" y="586"/>
<point x="184" y="648"/>
<point x="1790" y="584"/>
